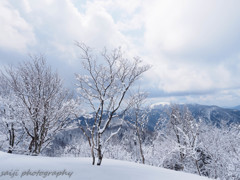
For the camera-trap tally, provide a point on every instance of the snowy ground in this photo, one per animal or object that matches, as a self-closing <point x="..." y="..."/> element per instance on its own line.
<point x="27" y="167"/>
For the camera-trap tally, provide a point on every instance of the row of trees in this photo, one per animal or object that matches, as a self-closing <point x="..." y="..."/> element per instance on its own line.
<point x="198" y="147"/>
<point x="35" y="106"/>
<point x="179" y="142"/>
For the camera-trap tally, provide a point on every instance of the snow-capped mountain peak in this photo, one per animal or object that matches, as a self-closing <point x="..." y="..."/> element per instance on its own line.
<point x="159" y="104"/>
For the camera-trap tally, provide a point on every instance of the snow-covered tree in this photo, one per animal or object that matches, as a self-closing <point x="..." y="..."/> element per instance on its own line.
<point x="10" y="127"/>
<point x="139" y="119"/>
<point x="183" y="131"/>
<point x="45" y="105"/>
<point x="105" y="89"/>
<point x="222" y="143"/>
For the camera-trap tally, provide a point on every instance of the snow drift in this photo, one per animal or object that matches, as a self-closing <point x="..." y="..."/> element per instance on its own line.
<point x="36" y="167"/>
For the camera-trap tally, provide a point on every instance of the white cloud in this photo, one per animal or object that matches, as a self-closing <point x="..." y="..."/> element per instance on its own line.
<point x="58" y="23"/>
<point x="178" y="77"/>
<point x="179" y="26"/>
<point x="192" y="45"/>
<point x="15" y="33"/>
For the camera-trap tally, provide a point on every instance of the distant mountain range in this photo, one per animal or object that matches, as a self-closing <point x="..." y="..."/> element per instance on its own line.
<point x="210" y="114"/>
<point x="236" y="107"/>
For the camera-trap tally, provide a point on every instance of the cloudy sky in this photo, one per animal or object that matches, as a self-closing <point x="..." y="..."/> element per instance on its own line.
<point x="193" y="46"/>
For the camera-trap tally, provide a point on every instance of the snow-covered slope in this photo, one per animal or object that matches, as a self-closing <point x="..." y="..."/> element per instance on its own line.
<point x="29" y="167"/>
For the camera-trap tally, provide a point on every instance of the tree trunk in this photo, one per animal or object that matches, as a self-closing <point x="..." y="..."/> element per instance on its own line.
<point x="11" y="139"/>
<point x="100" y="155"/>
<point x="140" y="144"/>
<point x="35" y="151"/>
<point x="141" y="152"/>
<point x="99" y="150"/>
<point x="182" y="155"/>
<point x="93" y="156"/>
<point x="34" y="148"/>
<point x="30" y="146"/>
<point x="196" y="162"/>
